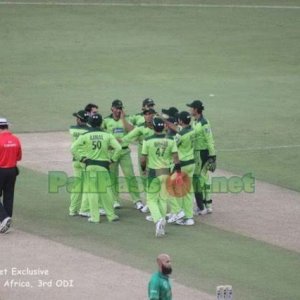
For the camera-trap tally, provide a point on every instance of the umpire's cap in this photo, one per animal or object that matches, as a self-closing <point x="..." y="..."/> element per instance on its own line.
<point x="171" y="112"/>
<point x="184" y="117"/>
<point x="196" y="104"/>
<point x="82" y="115"/>
<point x="158" y="124"/>
<point x="95" y="120"/>
<point x="148" y="102"/>
<point x="117" y="104"/>
<point x="3" y="122"/>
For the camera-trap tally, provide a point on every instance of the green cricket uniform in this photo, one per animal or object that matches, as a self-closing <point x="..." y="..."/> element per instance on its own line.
<point x="139" y="133"/>
<point x="203" y="136"/>
<point x="159" y="150"/>
<point x="174" y="203"/>
<point x="78" y="199"/>
<point x="116" y="128"/>
<point x="159" y="287"/>
<point x="137" y="119"/>
<point x="94" y="146"/>
<point x="204" y="147"/>
<point x="185" y="143"/>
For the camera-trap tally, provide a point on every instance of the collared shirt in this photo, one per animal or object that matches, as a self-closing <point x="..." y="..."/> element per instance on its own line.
<point x="159" y="287"/>
<point x="10" y="150"/>
<point x="159" y="149"/>
<point x="185" y="140"/>
<point x="94" y="144"/>
<point x="115" y="127"/>
<point x="77" y="130"/>
<point x="203" y="136"/>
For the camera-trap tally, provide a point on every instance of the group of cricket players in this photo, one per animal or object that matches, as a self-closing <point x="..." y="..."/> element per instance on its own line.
<point x="176" y="154"/>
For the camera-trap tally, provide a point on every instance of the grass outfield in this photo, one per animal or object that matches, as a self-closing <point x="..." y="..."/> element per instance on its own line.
<point x="55" y="59"/>
<point x="203" y="256"/>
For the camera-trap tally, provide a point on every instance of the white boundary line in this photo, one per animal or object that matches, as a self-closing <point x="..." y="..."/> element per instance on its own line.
<point x="152" y="5"/>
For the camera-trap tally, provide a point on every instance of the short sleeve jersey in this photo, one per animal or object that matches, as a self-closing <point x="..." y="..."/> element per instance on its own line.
<point x="138" y="133"/>
<point x="115" y="127"/>
<point x="10" y="150"/>
<point x="95" y="144"/>
<point x="159" y="149"/>
<point x="76" y="131"/>
<point x="159" y="287"/>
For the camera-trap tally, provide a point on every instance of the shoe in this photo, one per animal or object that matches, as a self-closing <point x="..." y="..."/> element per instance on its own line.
<point x="92" y="221"/>
<point x="149" y="218"/>
<point x="160" y="228"/>
<point x="145" y="209"/>
<point x="202" y="212"/>
<point x="186" y="222"/>
<point x="139" y="205"/>
<point x="102" y="212"/>
<point x="84" y="214"/>
<point x="115" y="219"/>
<point x="176" y="217"/>
<point x="5" y="224"/>
<point x="117" y="205"/>
<point x="73" y="214"/>
<point x="171" y="218"/>
<point x="209" y="209"/>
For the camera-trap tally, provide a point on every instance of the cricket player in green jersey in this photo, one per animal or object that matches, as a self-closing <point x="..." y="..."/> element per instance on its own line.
<point x="115" y="125"/>
<point x="78" y="199"/>
<point x="176" y="211"/>
<point x="159" y="287"/>
<point x="138" y="119"/>
<point x="92" y="148"/>
<point x="158" y="153"/>
<point x="205" y="158"/>
<point x="139" y="133"/>
<point x="185" y="143"/>
<point x="142" y="131"/>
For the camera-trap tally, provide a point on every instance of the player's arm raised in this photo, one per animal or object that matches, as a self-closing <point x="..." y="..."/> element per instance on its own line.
<point x="127" y="126"/>
<point x="132" y="135"/>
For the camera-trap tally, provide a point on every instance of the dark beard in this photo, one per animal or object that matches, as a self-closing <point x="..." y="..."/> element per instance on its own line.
<point x="166" y="270"/>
